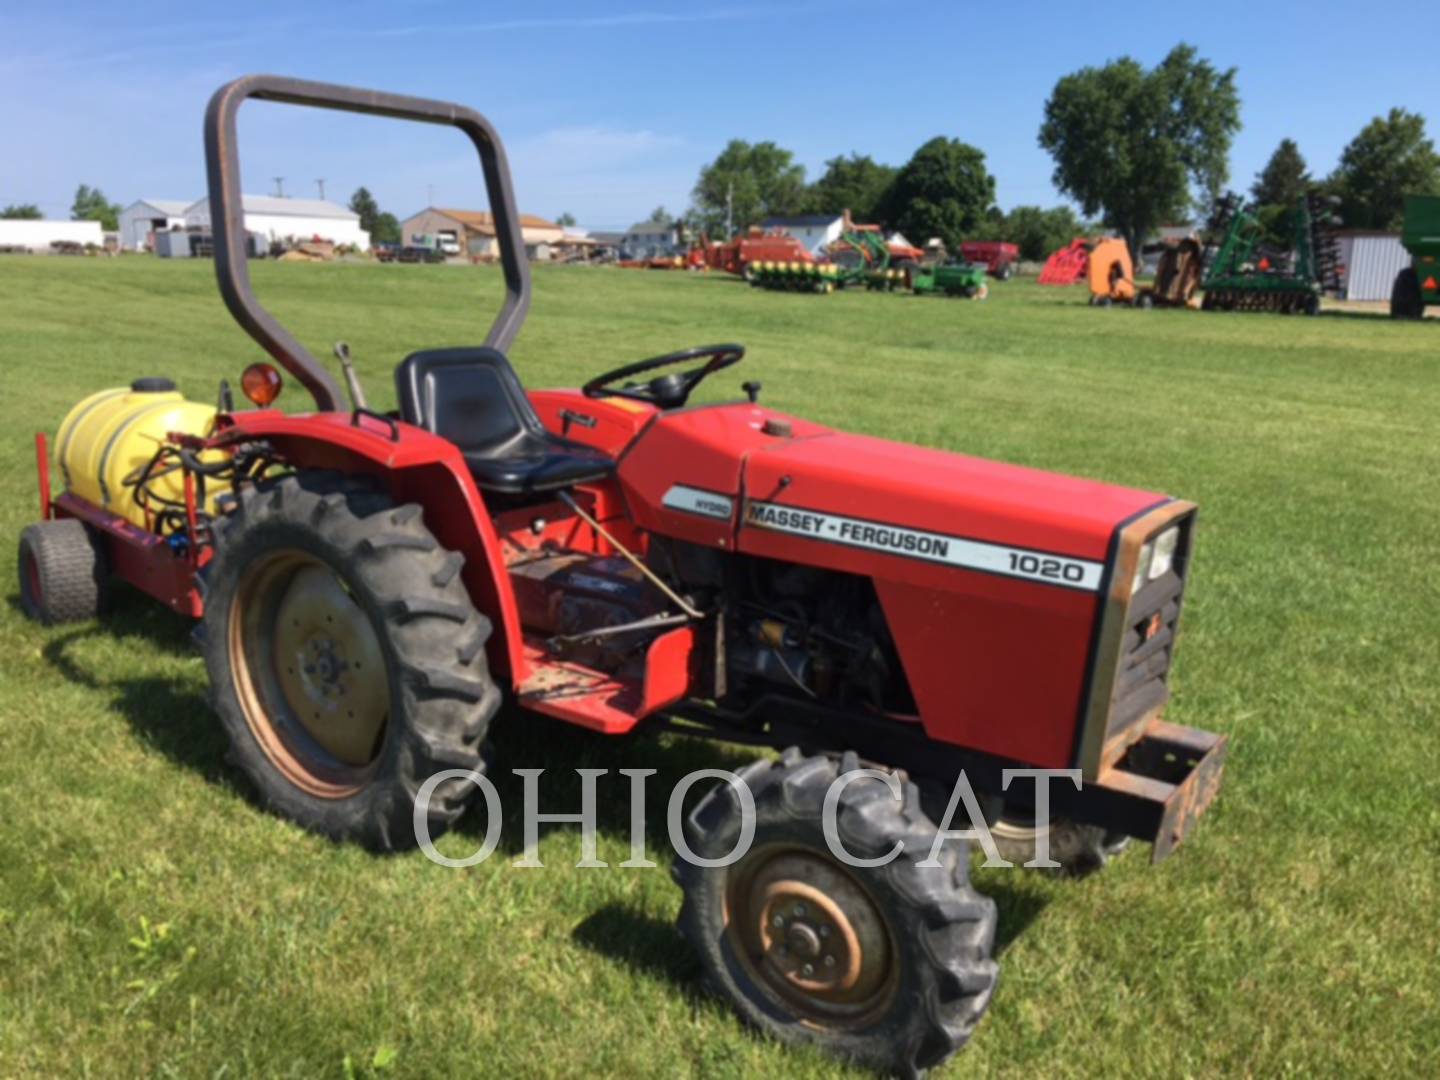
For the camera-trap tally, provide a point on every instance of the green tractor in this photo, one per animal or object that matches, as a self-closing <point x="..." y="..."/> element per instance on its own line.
<point x="1419" y="283"/>
<point x="1244" y="273"/>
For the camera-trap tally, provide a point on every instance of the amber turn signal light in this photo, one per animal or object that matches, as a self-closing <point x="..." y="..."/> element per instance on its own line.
<point x="261" y="384"/>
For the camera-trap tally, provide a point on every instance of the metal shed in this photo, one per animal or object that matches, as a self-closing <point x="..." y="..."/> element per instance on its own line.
<point x="1370" y="261"/>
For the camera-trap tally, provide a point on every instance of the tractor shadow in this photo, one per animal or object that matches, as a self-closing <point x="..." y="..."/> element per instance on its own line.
<point x="528" y="740"/>
<point x="169" y="714"/>
<point x="652" y="948"/>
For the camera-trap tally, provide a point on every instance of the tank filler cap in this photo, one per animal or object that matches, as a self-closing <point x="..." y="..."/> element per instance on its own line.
<point x="152" y="384"/>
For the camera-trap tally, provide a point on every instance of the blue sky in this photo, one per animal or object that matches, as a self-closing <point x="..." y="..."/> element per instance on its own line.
<point x="608" y="110"/>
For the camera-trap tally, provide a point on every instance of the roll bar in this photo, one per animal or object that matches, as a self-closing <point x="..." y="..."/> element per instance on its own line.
<point x="227" y="215"/>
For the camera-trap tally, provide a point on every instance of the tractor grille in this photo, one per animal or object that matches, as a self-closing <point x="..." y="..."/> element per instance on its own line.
<point x="1148" y="642"/>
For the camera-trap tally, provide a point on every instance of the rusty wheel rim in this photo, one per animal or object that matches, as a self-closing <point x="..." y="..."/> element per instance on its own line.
<point x="806" y="928"/>
<point x="309" y="673"/>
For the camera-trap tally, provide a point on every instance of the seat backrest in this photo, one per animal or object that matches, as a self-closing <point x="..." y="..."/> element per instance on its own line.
<point x="470" y="396"/>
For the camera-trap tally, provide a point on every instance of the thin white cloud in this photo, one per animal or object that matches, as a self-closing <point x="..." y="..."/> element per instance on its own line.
<point x="568" y="22"/>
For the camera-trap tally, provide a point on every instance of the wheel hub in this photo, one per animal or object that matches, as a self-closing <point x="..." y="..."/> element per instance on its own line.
<point x="329" y="665"/>
<point x="813" y="935"/>
<point x="310" y="673"/>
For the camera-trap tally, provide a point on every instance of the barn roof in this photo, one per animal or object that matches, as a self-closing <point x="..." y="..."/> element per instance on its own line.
<point x="278" y="207"/>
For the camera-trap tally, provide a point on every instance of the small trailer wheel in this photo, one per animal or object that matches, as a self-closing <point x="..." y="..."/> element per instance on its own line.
<point x="63" y="572"/>
<point x="887" y="965"/>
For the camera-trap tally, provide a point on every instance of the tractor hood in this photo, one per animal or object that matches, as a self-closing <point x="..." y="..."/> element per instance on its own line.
<point x="910" y="490"/>
<point x="747" y="478"/>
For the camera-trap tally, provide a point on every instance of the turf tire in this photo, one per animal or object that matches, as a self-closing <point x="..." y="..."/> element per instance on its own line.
<point x="63" y="572"/>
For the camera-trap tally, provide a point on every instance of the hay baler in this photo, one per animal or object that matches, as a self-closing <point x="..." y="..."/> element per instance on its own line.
<point x="372" y="585"/>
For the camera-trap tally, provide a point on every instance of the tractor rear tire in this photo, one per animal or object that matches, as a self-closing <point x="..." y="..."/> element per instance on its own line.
<point x="913" y="943"/>
<point x="347" y="663"/>
<point x="63" y="572"/>
<point x="1406" y="299"/>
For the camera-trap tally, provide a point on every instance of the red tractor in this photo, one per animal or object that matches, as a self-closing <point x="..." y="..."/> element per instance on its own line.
<point x="373" y="585"/>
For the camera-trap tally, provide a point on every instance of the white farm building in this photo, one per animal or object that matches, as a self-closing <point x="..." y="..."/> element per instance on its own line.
<point x="290" y="220"/>
<point x="41" y="236"/>
<point x="140" y="221"/>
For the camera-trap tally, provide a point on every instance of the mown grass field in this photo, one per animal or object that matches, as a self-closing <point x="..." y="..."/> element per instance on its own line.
<point x="154" y="921"/>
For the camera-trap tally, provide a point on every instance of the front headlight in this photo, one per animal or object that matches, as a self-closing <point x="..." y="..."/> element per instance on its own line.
<point x="1142" y="568"/>
<point x="1163" y="556"/>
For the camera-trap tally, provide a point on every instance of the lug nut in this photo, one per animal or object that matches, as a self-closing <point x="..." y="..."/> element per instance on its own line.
<point x="778" y="921"/>
<point x="808" y="969"/>
<point x="829" y="961"/>
<point x="824" y="930"/>
<point x="799" y="910"/>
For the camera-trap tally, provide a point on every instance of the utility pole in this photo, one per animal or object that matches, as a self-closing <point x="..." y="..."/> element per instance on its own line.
<point x="429" y="194"/>
<point x="320" y="183"/>
<point x="279" y="186"/>
<point x="729" y="210"/>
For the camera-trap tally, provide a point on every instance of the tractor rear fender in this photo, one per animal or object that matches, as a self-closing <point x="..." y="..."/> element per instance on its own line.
<point x="413" y="466"/>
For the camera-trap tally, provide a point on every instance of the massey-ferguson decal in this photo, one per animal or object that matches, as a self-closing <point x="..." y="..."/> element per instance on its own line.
<point x="892" y="539"/>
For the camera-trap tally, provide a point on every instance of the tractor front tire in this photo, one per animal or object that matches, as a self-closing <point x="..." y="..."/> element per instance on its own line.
<point x="887" y="965"/>
<point x="1079" y="849"/>
<point x="347" y="662"/>
<point x="63" y="573"/>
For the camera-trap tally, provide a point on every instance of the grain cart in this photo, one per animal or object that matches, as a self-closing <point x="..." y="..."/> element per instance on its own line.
<point x="1419" y="283"/>
<point x="372" y="585"/>
<point x="1243" y="274"/>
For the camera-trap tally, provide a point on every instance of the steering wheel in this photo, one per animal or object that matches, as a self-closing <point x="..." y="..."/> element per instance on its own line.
<point x="667" y="391"/>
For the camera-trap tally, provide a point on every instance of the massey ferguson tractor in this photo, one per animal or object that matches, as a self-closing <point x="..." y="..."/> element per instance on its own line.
<point x="372" y="585"/>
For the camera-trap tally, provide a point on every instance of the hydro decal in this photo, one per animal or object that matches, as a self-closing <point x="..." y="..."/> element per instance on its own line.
<point x="697" y="501"/>
<point x="927" y="546"/>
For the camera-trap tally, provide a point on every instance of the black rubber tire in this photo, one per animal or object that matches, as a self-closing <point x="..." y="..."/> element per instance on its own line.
<point x="63" y="572"/>
<point x="432" y="637"/>
<point x="942" y="929"/>
<point x="1079" y="849"/>
<point x="1144" y="301"/>
<point x="1006" y="272"/>
<point x="1406" y="299"/>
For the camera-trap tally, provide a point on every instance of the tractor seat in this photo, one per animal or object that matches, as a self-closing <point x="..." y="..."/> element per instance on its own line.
<point x="473" y="398"/>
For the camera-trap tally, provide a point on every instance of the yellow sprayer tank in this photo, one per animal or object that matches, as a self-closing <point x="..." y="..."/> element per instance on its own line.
<point x="111" y="435"/>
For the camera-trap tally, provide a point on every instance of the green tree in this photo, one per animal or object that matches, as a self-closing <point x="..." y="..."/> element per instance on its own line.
<point x="21" y="212"/>
<point x="1037" y="232"/>
<point x="1137" y="146"/>
<point x="1390" y="158"/>
<point x="387" y="229"/>
<point x="364" y="204"/>
<point x="1284" y="178"/>
<point x="857" y="183"/>
<point x="91" y="205"/>
<point x="1277" y="188"/>
<point x="565" y="220"/>
<point x="944" y="190"/>
<point x="757" y="180"/>
<point x="660" y="216"/>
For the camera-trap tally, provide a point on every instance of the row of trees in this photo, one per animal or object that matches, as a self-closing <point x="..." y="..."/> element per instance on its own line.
<point x="90" y="205"/>
<point x="1390" y="158"/>
<point x="1135" y="148"/>
<point x="944" y="189"/>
